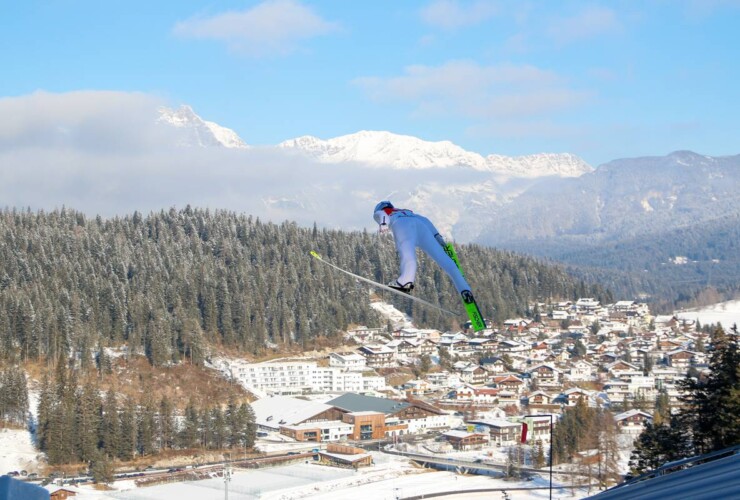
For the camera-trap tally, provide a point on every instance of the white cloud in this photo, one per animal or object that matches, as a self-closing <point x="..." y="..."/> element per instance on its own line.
<point x="104" y="153"/>
<point x="469" y="90"/>
<point x="591" y="22"/>
<point x="452" y="14"/>
<point x="274" y="27"/>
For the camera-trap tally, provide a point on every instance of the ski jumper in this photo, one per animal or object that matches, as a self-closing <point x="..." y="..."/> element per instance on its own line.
<point x="411" y="230"/>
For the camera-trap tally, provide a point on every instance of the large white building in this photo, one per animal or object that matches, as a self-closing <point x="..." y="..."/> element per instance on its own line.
<point x="296" y="377"/>
<point x="350" y="361"/>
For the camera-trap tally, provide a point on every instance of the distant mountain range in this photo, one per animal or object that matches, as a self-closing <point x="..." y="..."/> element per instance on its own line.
<point x="382" y="149"/>
<point x="554" y="205"/>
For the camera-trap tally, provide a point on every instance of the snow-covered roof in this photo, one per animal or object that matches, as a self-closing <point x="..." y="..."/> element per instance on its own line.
<point x="283" y="410"/>
<point x="494" y="422"/>
<point x="631" y="413"/>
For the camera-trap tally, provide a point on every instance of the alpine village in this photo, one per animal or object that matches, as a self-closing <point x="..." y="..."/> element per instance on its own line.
<point x="183" y="344"/>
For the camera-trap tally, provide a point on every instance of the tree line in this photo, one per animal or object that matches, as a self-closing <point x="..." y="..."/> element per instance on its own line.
<point x="13" y="396"/>
<point x="708" y="417"/>
<point x="173" y="284"/>
<point x="76" y="422"/>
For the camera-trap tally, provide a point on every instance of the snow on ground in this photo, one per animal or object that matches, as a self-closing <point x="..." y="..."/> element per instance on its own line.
<point x="17" y="451"/>
<point x="396" y="317"/>
<point x="391" y="477"/>
<point x="727" y="313"/>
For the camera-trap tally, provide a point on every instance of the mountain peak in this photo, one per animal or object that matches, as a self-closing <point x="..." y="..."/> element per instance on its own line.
<point x="386" y="149"/>
<point x="199" y="132"/>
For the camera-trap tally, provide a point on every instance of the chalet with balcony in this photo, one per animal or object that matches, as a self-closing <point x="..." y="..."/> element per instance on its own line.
<point x="463" y="440"/>
<point x="632" y="421"/>
<point x="501" y="432"/>
<point x="378" y="356"/>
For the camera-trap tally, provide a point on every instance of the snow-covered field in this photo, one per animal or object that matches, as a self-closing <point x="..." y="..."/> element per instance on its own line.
<point x="390" y="478"/>
<point x="727" y="313"/>
<point x="17" y="451"/>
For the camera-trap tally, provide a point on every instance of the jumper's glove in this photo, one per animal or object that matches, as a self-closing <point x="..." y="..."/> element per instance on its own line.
<point x="383" y="229"/>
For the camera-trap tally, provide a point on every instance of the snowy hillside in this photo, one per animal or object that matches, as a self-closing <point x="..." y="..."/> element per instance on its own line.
<point x="726" y="313"/>
<point x="385" y="149"/>
<point x="200" y="132"/>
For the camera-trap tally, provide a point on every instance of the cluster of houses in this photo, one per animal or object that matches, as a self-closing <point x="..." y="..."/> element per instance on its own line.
<point x="495" y="388"/>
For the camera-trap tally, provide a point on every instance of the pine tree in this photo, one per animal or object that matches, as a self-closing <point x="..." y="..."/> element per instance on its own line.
<point x="44" y="412"/>
<point x="111" y="425"/>
<point x="128" y="441"/>
<point x="711" y="411"/>
<point x="101" y="468"/>
<point x="166" y="425"/>
<point x="88" y="422"/>
<point x="146" y="426"/>
<point x="190" y="432"/>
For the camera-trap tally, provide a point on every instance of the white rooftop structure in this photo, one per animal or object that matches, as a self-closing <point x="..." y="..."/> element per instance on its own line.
<point x="275" y="411"/>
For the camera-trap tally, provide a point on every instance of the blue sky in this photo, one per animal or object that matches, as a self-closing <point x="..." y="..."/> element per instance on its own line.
<point x="602" y="80"/>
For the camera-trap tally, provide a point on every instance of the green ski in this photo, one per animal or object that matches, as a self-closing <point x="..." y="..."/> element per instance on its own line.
<point x="471" y="307"/>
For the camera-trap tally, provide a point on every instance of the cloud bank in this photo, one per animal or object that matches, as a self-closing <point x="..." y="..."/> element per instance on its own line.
<point x="104" y="153"/>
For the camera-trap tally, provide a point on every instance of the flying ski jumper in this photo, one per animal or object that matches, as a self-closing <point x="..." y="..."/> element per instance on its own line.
<point x="412" y="230"/>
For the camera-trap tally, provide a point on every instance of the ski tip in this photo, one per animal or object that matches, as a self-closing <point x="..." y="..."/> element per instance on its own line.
<point x="314" y="254"/>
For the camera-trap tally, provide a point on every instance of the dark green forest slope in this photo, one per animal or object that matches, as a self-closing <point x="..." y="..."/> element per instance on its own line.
<point x="709" y="272"/>
<point x="174" y="283"/>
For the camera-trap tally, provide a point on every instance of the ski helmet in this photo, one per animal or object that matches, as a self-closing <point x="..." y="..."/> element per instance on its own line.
<point x="382" y="205"/>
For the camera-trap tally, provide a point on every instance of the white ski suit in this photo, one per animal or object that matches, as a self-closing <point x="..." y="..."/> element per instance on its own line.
<point x="411" y="230"/>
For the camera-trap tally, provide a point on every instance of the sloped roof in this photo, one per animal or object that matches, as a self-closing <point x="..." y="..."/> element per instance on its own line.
<point x="283" y="410"/>
<point x="705" y="481"/>
<point x="358" y="402"/>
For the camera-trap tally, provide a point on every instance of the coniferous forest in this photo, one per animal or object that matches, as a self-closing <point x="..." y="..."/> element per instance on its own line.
<point x="173" y="284"/>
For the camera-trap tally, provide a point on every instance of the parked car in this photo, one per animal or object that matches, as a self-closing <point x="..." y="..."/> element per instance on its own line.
<point x="13" y="473"/>
<point x="33" y="475"/>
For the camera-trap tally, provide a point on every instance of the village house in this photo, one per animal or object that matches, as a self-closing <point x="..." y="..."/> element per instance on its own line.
<point x="580" y="371"/>
<point x="680" y="359"/>
<point x="510" y="383"/>
<point x="632" y="421"/>
<point x="538" y="427"/>
<point x="462" y="393"/>
<point x="404" y="348"/>
<point x="416" y="387"/>
<point x="471" y="373"/>
<point x="463" y="440"/>
<point x="378" y="356"/>
<point x="539" y="398"/>
<point x="483" y="344"/>
<point x="348" y="361"/>
<point x="616" y="368"/>
<point x="400" y="417"/>
<point x="494" y="365"/>
<point x="571" y="396"/>
<point x="512" y="346"/>
<point x="345" y="456"/>
<point x="485" y="395"/>
<point x="438" y="380"/>
<point x="545" y="374"/>
<point x="501" y="432"/>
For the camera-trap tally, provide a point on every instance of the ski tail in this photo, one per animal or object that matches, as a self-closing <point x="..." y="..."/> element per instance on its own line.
<point x="476" y="317"/>
<point x="471" y="306"/>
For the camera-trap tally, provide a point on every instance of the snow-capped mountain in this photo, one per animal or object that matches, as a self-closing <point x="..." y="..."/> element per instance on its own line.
<point x="382" y="149"/>
<point x="385" y="149"/>
<point x="200" y="132"/>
